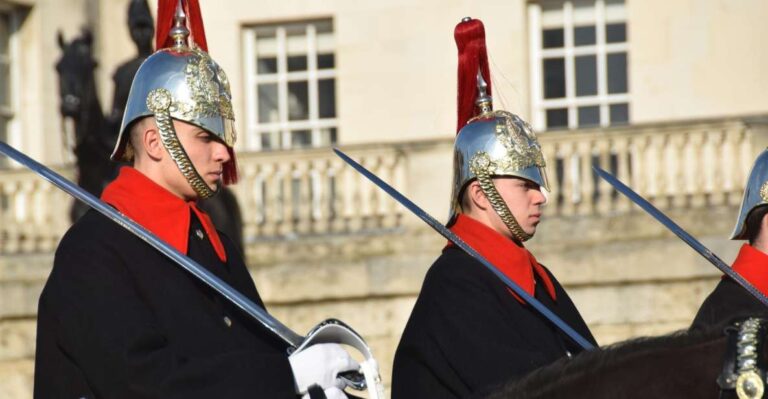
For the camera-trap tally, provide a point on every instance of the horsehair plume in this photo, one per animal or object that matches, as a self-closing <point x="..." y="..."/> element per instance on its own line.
<point x="229" y="175"/>
<point x="166" y="9"/>
<point x="473" y="56"/>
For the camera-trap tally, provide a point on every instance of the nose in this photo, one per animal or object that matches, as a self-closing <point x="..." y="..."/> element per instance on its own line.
<point x="220" y="152"/>
<point x="539" y="198"/>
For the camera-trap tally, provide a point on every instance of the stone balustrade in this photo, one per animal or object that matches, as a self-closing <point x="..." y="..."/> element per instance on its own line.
<point x="296" y="193"/>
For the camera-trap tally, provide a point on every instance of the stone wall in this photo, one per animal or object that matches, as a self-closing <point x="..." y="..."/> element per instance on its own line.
<point x="628" y="276"/>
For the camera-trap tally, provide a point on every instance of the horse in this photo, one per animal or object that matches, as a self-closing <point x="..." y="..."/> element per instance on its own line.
<point x="79" y="101"/>
<point x="685" y="364"/>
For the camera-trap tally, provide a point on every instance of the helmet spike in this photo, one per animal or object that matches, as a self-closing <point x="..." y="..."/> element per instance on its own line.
<point x="484" y="102"/>
<point x="179" y="33"/>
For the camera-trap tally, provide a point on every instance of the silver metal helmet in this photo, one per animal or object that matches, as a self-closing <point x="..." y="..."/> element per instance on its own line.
<point x="495" y="143"/>
<point x="755" y="195"/>
<point x="182" y="83"/>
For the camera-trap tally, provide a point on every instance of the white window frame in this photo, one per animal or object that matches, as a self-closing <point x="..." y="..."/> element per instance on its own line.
<point x="312" y="75"/>
<point x="539" y="104"/>
<point x="14" y="74"/>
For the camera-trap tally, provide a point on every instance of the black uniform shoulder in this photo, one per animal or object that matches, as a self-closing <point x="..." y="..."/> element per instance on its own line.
<point x="455" y="264"/>
<point x="93" y="230"/>
<point x="728" y="302"/>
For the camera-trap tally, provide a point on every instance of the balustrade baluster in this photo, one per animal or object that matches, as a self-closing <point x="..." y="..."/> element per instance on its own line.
<point x="676" y="171"/>
<point x="717" y="192"/>
<point x="604" y="189"/>
<point x="698" y="193"/>
<point x="623" y="161"/>
<point x="322" y="211"/>
<point x="303" y="191"/>
<point x="586" y="180"/>
<point x="569" y="194"/>
<point x="273" y="207"/>
<point x="549" y="149"/>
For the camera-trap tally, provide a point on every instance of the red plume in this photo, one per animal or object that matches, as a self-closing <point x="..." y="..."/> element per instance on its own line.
<point x="473" y="56"/>
<point x="166" y="9"/>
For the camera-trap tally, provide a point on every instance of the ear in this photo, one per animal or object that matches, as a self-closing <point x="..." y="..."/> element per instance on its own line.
<point x="150" y="140"/>
<point x="87" y="36"/>
<point x="60" y="40"/>
<point x="476" y="196"/>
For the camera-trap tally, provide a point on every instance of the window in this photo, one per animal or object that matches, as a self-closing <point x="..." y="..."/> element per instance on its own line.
<point x="578" y="63"/>
<point x="290" y="85"/>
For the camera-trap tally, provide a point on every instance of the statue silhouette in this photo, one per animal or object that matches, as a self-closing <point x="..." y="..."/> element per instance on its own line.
<point x="80" y="102"/>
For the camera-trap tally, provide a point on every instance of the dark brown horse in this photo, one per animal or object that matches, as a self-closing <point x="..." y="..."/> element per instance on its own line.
<point x="680" y="365"/>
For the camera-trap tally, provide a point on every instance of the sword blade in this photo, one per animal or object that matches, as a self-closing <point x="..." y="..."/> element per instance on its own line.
<point x="448" y="234"/>
<point x="260" y="315"/>
<point x="684" y="235"/>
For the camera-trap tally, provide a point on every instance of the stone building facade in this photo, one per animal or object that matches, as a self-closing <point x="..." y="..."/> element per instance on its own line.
<point x="669" y="95"/>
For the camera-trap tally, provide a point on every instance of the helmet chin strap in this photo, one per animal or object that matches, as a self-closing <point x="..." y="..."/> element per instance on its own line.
<point x="501" y="208"/>
<point x="159" y="101"/>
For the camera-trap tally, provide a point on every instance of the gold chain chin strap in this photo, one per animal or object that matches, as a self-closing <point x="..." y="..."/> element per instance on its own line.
<point x="159" y="101"/>
<point x="501" y="208"/>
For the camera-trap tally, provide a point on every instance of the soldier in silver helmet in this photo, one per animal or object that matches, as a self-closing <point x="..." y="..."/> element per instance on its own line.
<point x="468" y="331"/>
<point x="729" y="301"/>
<point x="116" y="318"/>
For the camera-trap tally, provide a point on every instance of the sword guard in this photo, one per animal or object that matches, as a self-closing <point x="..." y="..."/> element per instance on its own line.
<point x="335" y="331"/>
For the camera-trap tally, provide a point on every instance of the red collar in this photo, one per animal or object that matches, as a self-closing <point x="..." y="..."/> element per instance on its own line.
<point x="752" y="264"/>
<point x="158" y="210"/>
<point x="514" y="261"/>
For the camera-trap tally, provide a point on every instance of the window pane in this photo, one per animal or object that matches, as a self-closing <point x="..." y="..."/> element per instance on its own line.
<point x="554" y="78"/>
<point x="5" y="84"/>
<point x="301" y="139"/>
<point x="325" y="61"/>
<point x="268" y="103"/>
<point x="617" y="73"/>
<point x="328" y="136"/>
<point x="616" y="33"/>
<point x="619" y="114"/>
<point x="297" y="63"/>
<point x="270" y="140"/>
<point x="584" y="35"/>
<point x="298" y="100"/>
<point x="5" y="28"/>
<point x="586" y="75"/>
<point x="553" y="38"/>
<point x="266" y="65"/>
<point x="557" y="118"/>
<point x="327" y="100"/>
<point x="589" y="116"/>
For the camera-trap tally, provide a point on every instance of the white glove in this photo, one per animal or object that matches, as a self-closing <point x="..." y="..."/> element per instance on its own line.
<point x="320" y="364"/>
<point x="330" y="393"/>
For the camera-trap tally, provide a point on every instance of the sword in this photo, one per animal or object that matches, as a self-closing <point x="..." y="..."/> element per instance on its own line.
<point x="451" y="236"/>
<point x="684" y="235"/>
<point x="328" y="331"/>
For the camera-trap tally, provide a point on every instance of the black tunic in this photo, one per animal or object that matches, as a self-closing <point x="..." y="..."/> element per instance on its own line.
<point x="467" y="332"/>
<point x="727" y="303"/>
<point x="117" y="319"/>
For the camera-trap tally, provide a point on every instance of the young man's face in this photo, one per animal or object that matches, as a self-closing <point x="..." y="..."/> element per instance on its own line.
<point x="524" y="199"/>
<point x="207" y="154"/>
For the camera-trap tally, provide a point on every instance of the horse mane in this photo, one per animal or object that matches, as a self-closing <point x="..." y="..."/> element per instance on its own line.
<point x="595" y="361"/>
